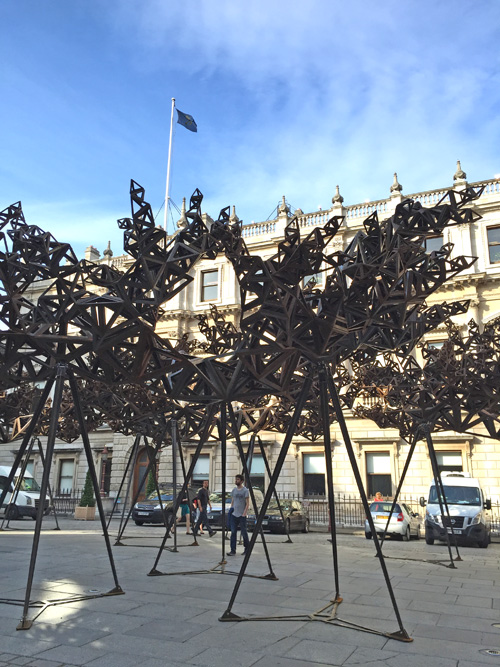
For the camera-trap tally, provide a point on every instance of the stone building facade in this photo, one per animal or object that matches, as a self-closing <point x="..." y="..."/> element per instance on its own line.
<point x="381" y="454"/>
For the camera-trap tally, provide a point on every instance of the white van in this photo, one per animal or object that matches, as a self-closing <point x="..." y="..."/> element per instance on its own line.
<point x="27" y="498"/>
<point x="467" y="506"/>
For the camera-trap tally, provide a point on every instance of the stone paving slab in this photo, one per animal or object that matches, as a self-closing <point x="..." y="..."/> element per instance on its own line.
<point x="174" y="620"/>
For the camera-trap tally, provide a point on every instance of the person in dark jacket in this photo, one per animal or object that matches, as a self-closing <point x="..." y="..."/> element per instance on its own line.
<point x="203" y="499"/>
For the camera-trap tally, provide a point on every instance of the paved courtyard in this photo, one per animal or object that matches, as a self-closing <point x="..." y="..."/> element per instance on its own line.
<point x="173" y="620"/>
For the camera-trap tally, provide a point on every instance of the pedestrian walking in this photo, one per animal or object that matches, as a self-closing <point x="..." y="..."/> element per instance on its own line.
<point x="240" y="502"/>
<point x="203" y="499"/>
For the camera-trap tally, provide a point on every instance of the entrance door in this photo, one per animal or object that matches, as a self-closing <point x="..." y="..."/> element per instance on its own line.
<point x="141" y="467"/>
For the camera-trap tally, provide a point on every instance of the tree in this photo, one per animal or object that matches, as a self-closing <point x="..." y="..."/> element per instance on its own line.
<point x="87" y="499"/>
<point x="150" y="484"/>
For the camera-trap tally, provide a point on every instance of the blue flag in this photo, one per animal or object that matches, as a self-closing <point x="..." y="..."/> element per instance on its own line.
<point x="186" y="121"/>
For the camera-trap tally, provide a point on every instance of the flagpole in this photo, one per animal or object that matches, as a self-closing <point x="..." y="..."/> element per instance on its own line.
<point x="167" y="189"/>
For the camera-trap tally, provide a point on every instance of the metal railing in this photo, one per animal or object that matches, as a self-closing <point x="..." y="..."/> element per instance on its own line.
<point x="65" y="503"/>
<point x="349" y="510"/>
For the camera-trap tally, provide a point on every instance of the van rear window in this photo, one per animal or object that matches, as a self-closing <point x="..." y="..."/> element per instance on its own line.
<point x="457" y="495"/>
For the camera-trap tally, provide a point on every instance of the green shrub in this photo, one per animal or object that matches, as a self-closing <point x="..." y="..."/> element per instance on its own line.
<point x="87" y="499"/>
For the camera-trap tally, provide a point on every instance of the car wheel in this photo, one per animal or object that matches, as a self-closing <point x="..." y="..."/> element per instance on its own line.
<point x="306" y="526"/>
<point x="483" y="544"/>
<point x="368" y="536"/>
<point x="406" y="536"/>
<point x="139" y="523"/>
<point x="417" y="535"/>
<point x="12" y="513"/>
<point x="168" y="518"/>
<point x="429" y="540"/>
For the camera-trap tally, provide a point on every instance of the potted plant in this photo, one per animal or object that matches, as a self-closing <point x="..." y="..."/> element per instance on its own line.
<point x="86" y="509"/>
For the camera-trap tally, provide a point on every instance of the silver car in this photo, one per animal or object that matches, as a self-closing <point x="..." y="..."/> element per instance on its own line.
<point x="404" y="523"/>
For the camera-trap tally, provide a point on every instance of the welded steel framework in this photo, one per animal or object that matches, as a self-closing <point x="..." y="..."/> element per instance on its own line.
<point x="91" y="334"/>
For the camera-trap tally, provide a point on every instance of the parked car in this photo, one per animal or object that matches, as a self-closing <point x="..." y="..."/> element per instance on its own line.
<point x="215" y="514"/>
<point x="150" y="510"/>
<point x="468" y="510"/>
<point x="403" y="524"/>
<point x="296" y="518"/>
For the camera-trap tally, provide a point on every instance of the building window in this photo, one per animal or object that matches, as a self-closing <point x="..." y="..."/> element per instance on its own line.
<point x="494" y="244"/>
<point x="258" y="473"/>
<point x="451" y="461"/>
<point x="201" y="470"/>
<point x="30" y="467"/>
<point x="314" y="474"/>
<point x="435" y="344"/>
<point x="433" y="243"/>
<point x="378" y="473"/>
<point x="313" y="280"/>
<point x="209" y="285"/>
<point x="66" y="474"/>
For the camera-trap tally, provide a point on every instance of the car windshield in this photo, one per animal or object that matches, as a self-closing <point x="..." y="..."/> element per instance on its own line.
<point x="164" y="496"/>
<point x="457" y="495"/>
<point x="216" y="497"/>
<point x="29" y="484"/>
<point x="284" y="506"/>
<point x="384" y="507"/>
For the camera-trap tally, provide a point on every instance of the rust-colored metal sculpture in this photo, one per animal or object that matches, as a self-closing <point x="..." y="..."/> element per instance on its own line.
<point x="95" y="326"/>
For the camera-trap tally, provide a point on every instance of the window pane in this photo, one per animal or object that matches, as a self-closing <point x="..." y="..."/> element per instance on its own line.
<point x="316" y="278"/>
<point x="258" y="467"/>
<point x="314" y="485"/>
<point x="449" y="461"/>
<point x="434" y="243"/>
<point x="378" y="463"/>
<point x="380" y="483"/>
<point x="494" y="244"/>
<point x="209" y="285"/>
<point x="494" y="254"/>
<point x="202" y="468"/>
<point x="66" y="471"/>
<point x="258" y="482"/>
<point x="314" y="463"/>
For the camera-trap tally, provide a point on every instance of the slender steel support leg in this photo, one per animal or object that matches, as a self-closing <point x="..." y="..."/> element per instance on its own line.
<point x="352" y="457"/>
<point x="187" y="482"/>
<point x="211" y="412"/>
<point x="443" y="503"/>
<point x="132" y="457"/>
<point x="223" y="444"/>
<point x="413" y="444"/>
<point x="42" y="459"/>
<point x="246" y="472"/>
<point x="93" y="476"/>
<point x="268" y="470"/>
<point x="125" y="519"/>
<point x="228" y="615"/>
<point x="172" y="524"/>
<point x="25" y="623"/>
<point x="325" y="421"/>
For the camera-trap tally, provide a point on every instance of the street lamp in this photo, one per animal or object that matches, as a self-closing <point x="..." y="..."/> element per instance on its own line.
<point x="104" y="458"/>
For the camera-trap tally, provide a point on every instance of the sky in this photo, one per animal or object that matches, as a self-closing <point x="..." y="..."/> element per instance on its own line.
<point x="290" y="98"/>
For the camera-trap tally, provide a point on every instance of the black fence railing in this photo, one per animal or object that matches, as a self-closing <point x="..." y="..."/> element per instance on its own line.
<point x="349" y="510"/>
<point x="65" y="503"/>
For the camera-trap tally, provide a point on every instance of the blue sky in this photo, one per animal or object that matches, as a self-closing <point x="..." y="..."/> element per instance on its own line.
<point x="290" y="99"/>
